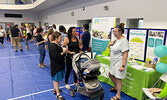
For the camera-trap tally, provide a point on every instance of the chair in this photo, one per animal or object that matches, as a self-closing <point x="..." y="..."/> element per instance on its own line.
<point x="147" y="92"/>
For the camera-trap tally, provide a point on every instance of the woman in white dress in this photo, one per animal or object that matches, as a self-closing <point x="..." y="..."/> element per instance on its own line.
<point x="119" y="49"/>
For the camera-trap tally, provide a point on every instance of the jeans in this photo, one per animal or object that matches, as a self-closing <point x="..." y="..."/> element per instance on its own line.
<point x="42" y="53"/>
<point x="26" y="41"/>
<point x="8" y="38"/>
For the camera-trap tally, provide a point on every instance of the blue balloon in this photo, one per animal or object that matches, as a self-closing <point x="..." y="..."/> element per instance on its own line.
<point x="160" y="51"/>
<point x="161" y="67"/>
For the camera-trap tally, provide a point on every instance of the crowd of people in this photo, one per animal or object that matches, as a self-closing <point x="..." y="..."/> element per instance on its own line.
<point x="62" y="45"/>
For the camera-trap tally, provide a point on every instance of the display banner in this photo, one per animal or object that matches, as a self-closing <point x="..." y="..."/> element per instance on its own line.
<point x="99" y="45"/>
<point x="137" y="43"/>
<point x="100" y="30"/>
<point x="166" y="40"/>
<point x="155" y="37"/>
<point x="114" y="38"/>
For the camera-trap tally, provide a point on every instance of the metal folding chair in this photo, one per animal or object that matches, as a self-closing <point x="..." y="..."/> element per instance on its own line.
<point x="148" y="93"/>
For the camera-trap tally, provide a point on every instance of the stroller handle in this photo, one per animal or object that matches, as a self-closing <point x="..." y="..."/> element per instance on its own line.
<point x="84" y="53"/>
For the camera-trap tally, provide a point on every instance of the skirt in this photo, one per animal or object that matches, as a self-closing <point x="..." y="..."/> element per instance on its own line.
<point x="59" y="76"/>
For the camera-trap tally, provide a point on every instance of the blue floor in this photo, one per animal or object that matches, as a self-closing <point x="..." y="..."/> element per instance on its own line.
<point x="22" y="79"/>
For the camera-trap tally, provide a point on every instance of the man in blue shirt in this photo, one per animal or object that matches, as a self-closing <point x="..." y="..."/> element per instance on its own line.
<point x="85" y="37"/>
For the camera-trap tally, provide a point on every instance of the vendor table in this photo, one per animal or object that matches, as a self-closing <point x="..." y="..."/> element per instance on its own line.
<point x="135" y="79"/>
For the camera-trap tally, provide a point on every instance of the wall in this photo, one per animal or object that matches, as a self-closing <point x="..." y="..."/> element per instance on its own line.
<point x="32" y="17"/>
<point x="153" y="12"/>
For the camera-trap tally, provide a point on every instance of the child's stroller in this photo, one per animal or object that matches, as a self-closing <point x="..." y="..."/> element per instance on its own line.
<point x="87" y="70"/>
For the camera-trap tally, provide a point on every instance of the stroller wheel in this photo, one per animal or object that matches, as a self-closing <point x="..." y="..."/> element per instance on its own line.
<point x="101" y="97"/>
<point x="72" y="92"/>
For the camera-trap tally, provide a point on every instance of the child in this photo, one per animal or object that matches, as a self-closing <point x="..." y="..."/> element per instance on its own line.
<point x="56" y="54"/>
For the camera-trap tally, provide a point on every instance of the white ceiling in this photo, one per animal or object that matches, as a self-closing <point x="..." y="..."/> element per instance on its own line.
<point x="36" y="7"/>
<point x="56" y="5"/>
<point x="48" y="4"/>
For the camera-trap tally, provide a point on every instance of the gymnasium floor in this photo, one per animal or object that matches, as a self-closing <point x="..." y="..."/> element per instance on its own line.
<point x="22" y="79"/>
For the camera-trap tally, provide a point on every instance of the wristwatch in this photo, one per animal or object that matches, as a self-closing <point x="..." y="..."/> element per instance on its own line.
<point x="123" y="65"/>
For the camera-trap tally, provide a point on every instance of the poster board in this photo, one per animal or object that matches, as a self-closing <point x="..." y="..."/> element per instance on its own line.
<point x="79" y="31"/>
<point x="100" y="29"/>
<point x="137" y="43"/>
<point x="166" y="40"/>
<point x="126" y="31"/>
<point x="155" y="37"/>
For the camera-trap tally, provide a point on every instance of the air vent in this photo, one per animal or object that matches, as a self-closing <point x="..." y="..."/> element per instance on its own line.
<point x="13" y="15"/>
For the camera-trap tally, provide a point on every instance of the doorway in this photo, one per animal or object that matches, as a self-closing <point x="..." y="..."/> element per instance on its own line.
<point x="80" y="23"/>
<point x="134" y="23"/>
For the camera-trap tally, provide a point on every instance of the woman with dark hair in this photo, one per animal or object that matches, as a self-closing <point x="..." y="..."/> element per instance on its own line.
<point x="41" y="47"/>
<point x="62" y="30"/>
<point x="2" y="32"/>
<point x="73" y="44"/>
<point x="118" y="63"/>
<point x="54" y="27"/>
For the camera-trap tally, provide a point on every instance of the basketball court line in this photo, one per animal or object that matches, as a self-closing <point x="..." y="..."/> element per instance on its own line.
<point x="36" y="93"/>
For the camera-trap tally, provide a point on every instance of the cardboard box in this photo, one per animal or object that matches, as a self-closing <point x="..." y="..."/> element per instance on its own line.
<point x="150" y="65"/>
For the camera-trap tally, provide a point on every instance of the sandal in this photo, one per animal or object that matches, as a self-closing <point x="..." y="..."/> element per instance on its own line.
<point x="112" y="90"/>
<point x="54" y="91"/>
<point x="115" y="98"/>
<point x="59" y="97"/>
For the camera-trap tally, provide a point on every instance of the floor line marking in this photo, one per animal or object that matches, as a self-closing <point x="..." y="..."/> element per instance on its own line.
<point x="36" y="93"/>
<point x="19" y="56"/>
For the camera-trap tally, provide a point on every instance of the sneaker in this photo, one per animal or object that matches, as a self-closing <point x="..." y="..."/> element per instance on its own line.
<point x="41" y="66"/>
<point x="21" y="49"/>
<point x="67" y="86"/>
<point x="15" y="50"/>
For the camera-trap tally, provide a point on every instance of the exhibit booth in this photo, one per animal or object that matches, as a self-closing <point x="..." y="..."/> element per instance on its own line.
<point x="141" y="71"/>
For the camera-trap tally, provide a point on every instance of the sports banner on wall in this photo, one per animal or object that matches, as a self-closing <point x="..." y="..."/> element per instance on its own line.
<point x="137" y="43"/>
<point x="125" y="34"/>
<point x="155" y="37"/>
<point x="100" y="30"/>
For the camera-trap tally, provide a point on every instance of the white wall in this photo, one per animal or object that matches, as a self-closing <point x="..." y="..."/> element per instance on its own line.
<point x="32" y="17"/>
<point x="11" y="1"/>
<point x="152" y="11"/>
<point x="2" y="1"/>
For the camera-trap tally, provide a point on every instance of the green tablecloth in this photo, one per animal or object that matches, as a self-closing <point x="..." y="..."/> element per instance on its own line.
<point x="135" y="79"/>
